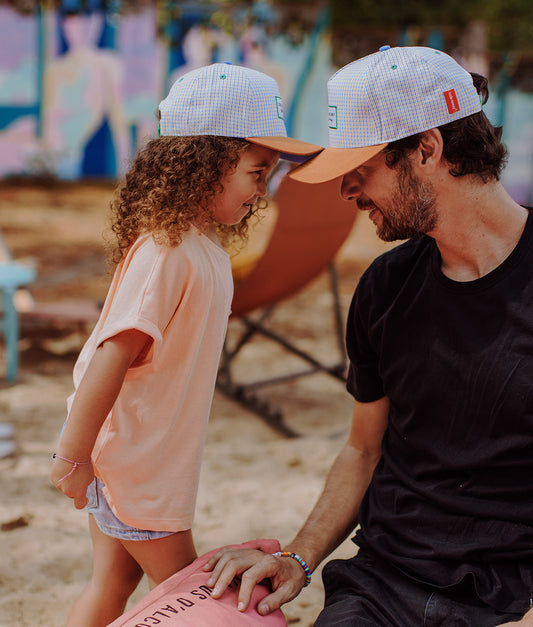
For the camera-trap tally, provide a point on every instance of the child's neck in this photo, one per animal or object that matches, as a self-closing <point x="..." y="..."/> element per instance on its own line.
<point x="211" y="232"/>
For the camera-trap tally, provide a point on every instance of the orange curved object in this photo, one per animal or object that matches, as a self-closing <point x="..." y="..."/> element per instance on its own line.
<point x="313" y="222"/>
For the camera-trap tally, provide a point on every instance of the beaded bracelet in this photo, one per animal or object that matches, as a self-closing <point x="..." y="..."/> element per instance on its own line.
<point x="70" y="461"/>
<point x="300" y="561"/>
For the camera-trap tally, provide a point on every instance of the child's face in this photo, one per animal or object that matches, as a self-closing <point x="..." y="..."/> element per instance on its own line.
<point x="244" y="184"/>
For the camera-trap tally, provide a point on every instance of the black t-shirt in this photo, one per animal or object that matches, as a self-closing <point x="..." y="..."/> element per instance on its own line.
<point x="453" y="492"/>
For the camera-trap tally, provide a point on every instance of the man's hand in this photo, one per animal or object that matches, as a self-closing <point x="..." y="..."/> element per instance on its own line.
<point x="286" y="576"/>
<point x="75" y="486"/>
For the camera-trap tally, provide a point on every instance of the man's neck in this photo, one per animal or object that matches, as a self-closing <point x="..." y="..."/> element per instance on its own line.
<point x="479" y="226"/>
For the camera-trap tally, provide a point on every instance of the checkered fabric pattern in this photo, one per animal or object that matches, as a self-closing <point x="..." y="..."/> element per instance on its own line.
<point x="397" y="92"/>
<point x="226" y="100"/>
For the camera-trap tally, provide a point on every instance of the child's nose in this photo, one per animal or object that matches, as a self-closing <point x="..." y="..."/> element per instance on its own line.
<point x="261" y="187"/>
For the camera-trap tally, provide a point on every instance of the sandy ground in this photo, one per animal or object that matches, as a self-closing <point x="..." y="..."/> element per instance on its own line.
<point x="255" y="482"/>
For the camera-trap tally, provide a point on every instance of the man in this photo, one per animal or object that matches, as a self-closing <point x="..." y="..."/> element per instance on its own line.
<point x="438" y="467"/>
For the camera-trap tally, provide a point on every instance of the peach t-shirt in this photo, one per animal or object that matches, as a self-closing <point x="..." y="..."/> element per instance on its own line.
<point x="149" y="449"/>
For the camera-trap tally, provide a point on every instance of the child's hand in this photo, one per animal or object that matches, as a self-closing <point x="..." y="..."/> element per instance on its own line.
<point x="74" y="485"/>
<point x="286" y="576"/>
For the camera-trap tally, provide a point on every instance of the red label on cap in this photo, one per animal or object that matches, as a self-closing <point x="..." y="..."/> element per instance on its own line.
<point x="451" y="101"/>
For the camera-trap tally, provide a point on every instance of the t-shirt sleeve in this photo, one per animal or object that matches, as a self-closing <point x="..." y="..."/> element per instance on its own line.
<point x="146" y="292"/>
<point x="363" y="382"/>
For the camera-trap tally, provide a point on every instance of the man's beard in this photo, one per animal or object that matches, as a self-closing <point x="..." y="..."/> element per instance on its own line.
<point x="411" y="211"/>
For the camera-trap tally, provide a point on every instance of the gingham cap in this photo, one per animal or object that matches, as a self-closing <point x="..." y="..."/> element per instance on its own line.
<point x="230" y="101"/>
<point x="388" y="95"/>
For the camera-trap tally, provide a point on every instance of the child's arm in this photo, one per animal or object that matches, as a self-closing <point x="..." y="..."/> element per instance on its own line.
<point x="96" y="395"/>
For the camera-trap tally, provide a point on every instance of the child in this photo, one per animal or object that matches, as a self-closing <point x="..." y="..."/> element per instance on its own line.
<point x="144" y="381"/>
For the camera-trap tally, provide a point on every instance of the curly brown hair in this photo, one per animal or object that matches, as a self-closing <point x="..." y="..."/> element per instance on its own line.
<point x="472" y="145"/>
<point x="169" y="187"/>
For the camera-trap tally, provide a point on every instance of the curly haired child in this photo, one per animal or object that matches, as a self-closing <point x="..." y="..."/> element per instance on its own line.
<point x="132" y="444"/>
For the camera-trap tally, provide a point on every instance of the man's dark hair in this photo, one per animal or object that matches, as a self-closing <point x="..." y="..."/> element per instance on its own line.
<point x="471" y="144"/>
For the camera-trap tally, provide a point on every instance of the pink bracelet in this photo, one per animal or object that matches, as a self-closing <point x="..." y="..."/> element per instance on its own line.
<point x="74" y="466"/>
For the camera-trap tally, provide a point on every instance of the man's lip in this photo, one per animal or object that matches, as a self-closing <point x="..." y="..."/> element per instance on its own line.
<point x="372" y="213"/>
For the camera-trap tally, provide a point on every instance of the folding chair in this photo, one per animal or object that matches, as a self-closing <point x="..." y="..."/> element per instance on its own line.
<point x="313" y="222"/>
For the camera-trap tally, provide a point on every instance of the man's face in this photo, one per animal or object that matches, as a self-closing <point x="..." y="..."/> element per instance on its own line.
<point x="400" y="205"/>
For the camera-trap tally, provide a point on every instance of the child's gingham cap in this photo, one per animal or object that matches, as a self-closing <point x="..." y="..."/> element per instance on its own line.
<point x="230" y="101"/>
<point x="388" y="95"/>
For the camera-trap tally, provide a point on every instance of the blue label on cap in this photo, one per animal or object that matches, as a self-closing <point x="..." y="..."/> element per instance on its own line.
<point x="383" y="48"/>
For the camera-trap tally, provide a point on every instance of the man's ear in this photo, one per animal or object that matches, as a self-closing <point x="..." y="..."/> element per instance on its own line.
<point x="429" y="152"/>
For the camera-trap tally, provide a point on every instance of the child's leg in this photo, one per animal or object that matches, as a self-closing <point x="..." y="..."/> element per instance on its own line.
<point x="162" y="557"/>
<point x="115" y="576"/>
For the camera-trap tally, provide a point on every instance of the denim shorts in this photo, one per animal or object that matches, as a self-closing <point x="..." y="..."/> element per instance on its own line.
<point x="108" y="523"/>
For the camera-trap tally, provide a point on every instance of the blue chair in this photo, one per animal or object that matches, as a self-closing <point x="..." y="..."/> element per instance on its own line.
<point x="12" y="276"/>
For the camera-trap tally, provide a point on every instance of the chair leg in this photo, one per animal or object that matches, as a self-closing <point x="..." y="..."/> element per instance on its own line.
<point x="11" y="333"/>
<point x="246" y="393"/>
<point x="337" y="309"/>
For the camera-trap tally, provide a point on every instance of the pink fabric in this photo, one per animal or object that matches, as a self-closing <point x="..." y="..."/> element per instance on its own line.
<point x="184" y="600"/>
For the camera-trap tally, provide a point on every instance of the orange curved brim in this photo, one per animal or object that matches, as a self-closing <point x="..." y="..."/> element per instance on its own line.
<point x="332" y="163"/>
<point x="288" y="147"/>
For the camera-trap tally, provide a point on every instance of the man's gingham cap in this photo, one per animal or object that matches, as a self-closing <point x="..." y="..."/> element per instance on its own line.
<point x="230" y="101"/>
<point x="388" y="95"/>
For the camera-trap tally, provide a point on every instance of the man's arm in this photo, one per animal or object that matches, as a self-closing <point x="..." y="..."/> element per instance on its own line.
<point x="334" y="516"/>
<point x="525" y="621"/>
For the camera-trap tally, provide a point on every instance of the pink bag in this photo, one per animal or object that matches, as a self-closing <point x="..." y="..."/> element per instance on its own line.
<point x="184" y="600"/>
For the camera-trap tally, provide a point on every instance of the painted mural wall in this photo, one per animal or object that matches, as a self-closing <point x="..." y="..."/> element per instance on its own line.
<point x="79" y="92"/>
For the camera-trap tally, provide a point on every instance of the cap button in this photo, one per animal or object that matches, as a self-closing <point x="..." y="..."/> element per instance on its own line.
<point x="383" y="48"/>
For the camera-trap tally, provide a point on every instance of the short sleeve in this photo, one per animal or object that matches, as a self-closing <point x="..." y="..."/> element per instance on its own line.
<point x="146" y="291"/>
<point x="364" y="382"/>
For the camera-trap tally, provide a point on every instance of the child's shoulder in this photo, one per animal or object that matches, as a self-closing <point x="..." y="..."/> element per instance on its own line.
<point x="192" y="245"/>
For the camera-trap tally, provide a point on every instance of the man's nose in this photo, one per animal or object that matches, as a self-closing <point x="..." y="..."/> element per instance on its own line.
<point x="350" y="186"/>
